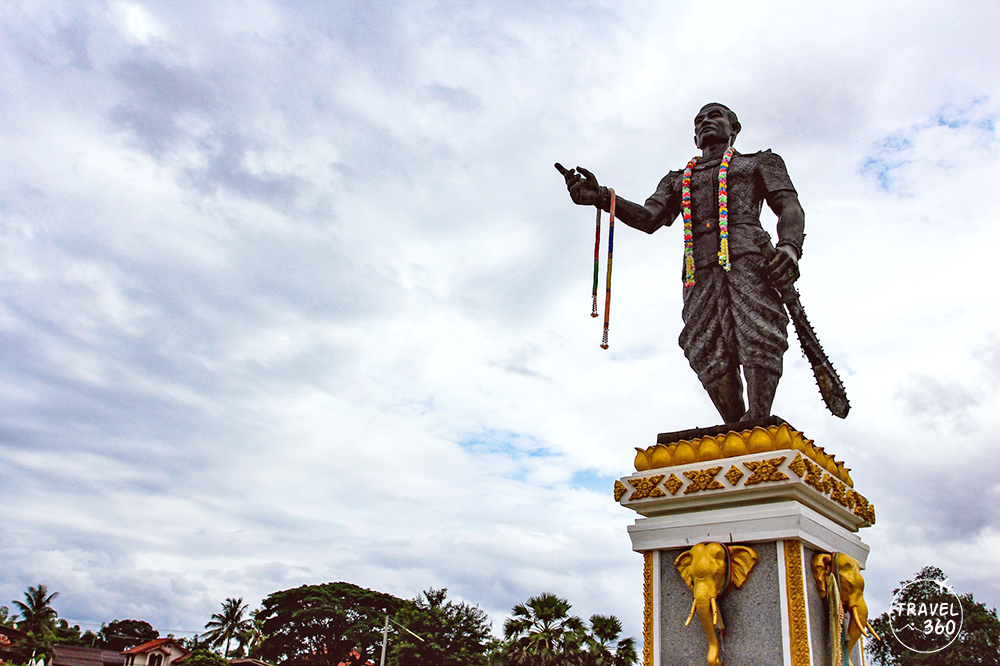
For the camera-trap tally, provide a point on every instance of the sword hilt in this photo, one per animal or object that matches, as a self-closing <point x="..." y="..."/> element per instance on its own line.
<point x="789" y="294"/>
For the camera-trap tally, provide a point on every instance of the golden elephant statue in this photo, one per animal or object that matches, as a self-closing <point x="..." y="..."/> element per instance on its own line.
<point x="838" y="577"/>
<point x="710" y="570"/>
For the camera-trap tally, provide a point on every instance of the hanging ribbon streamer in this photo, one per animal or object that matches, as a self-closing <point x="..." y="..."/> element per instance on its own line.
<point x="611" y="244"/>
<point x="597" y="252"/>
<point x="838" y="636"/>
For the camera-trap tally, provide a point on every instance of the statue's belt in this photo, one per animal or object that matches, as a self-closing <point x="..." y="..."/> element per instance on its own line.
<point x="734" y="220"/>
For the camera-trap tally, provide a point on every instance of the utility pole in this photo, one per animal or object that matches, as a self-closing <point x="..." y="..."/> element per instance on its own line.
<point x="385" y="637"/>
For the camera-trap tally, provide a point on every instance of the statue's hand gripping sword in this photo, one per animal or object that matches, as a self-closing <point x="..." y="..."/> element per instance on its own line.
<point x="830" y="386"/>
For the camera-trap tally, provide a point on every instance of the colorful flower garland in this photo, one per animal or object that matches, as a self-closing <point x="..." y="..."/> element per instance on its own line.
<point x="724" y="211"/>
<point x="723" y="217"/>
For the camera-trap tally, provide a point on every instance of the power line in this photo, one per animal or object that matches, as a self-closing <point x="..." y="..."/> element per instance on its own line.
<point x="103" y="624"/>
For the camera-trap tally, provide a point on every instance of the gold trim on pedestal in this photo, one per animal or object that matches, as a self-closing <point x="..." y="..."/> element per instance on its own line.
<point x="739" y="443"/>
<point x="647" y="610"/>
<point x="798" y="630"/>
<point x="703" y="479"/>
<point x="647" y="487"/>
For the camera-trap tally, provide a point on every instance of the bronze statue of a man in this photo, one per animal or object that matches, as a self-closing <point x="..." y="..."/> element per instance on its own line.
<point x="733" y="315"/>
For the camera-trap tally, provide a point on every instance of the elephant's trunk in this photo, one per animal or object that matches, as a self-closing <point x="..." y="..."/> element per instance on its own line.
<point x="858" y="625"/>
<point x="708" y="615"/>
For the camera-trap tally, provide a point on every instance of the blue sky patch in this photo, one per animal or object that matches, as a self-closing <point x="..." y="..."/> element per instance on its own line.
<point x="591" y="480"/>
<point x="506" y="443"/>
<point x="886" y="160"/>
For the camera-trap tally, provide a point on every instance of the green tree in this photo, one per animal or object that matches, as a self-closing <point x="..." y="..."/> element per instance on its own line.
<point x="541" y="632"/>
<point x="6" y="618"/>
<point x="319" y="625"/>
<point x="496" y="652"/>
<point x="454" y="634"/>
<point x="977" y="644"/>
<point x="204" y="657"/>
<point x="225" y="626"/>
<point x="67" y="635"/>
<point x="604" y="645"/>
<point x="249" y="638"/>
<point x="37" y="615"/>
<point x="194" y="643"/>
<point x="121" y="635"/>
<point x="38" y="620"/>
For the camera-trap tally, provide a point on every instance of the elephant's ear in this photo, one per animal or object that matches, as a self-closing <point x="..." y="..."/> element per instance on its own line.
<point x="845" y="561"/>
<point x="683" y="564"/>
<point x="742" y="560"/>
<point x="821" y="563"/>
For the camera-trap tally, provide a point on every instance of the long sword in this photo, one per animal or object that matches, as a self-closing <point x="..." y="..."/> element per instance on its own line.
<point x="830" y="386"/>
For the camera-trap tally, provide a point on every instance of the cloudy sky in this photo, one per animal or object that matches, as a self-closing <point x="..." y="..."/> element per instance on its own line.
<point x="291" y="292"/>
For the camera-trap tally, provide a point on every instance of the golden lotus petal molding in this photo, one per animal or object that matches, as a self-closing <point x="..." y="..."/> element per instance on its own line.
<point x="768" y="470"/>
<point x="733" y="444"/>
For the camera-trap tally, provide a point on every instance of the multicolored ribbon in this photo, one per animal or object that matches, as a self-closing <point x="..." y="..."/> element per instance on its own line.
<point x="597" y="252"/>
<point x="839" y="655"/>
<point x="611" y="244"/>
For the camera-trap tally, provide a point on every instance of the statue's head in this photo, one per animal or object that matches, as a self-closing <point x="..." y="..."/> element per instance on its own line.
<point x="715" y="123"/>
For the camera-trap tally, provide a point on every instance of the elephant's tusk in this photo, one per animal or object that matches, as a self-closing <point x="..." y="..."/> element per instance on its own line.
<point x="694" y="605"/>
<point x="863" y="626"/>
<point x="715" y="610"/>
<point x="872" y="629"/>
<point x="720" y="624"/>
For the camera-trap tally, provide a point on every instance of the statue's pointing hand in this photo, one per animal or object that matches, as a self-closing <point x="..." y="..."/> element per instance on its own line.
<point x="583" y="187"/>
<point x="783" y="268"/>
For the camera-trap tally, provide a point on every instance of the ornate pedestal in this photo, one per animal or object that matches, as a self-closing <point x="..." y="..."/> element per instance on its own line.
<point x="767" y="488"/>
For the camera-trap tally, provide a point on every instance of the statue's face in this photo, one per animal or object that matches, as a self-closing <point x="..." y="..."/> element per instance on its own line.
<point x="713" y="125"/>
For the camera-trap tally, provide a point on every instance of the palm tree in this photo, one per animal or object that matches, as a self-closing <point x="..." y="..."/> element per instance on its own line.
<point x="6" y="619"/>
<point x="225" y="626"/>
<point x="37" y="615"/>
<point x="543" y="633"/>
<point x="249" y="637"/>
<point x="604" y="633"/>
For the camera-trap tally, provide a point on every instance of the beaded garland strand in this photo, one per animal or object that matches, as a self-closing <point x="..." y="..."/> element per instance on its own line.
<point x="723" y="217"/>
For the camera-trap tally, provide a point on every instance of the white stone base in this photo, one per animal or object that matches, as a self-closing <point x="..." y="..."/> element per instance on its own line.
<point x="787" y="519"/>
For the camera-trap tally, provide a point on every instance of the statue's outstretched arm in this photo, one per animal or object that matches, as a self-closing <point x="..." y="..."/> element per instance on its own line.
<point x="584" y="190"/>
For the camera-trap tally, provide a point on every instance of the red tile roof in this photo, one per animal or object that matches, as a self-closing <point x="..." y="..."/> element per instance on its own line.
<point x="156" y="644"/>
<point x="12" y="633"/>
